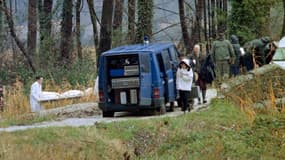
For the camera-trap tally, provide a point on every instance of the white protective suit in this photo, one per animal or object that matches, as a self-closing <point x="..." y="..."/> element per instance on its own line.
<point x="36" y="91"/>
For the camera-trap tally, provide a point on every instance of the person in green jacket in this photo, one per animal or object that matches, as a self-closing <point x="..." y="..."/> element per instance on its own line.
<point x="223" y="55"/>
<point x="262" y="50"/>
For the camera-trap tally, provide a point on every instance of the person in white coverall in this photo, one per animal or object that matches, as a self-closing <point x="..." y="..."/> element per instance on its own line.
<point x="36" y="91"/>
<point x="184" y="79"/>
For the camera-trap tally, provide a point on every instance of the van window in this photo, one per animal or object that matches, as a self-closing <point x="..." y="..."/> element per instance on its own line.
<point x="173" y="53"/>
<point x="160" y="62"/>
<point x="145" y="63"/>
<point x="166" y="59"/>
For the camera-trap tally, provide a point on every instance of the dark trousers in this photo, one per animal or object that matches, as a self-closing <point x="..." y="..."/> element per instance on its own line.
<point x="203" y="87"/>
<point x="183" y="100"/>
<point x="234" y="70"/>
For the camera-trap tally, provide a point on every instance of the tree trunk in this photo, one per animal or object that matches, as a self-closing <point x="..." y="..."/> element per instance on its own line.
<point x="94" y="22"/>
<point x="283" y="27"/>
<point x="196" y="30"/>
<point x="106" y="26"/>
<point x="213" y="9"/>
<point x="66" y="32"/>
<point x="45" y="18"/>
<point x="117" y="22"/>
<point x="145" y="15"/>
<point x="77" y="23"/>
<point x="184" y="27"/>
<point x="131" y="20"/>
<point x="2" y="34"/>
<point x="32" y="28"/>
<point x="13" y="34"/>
<point x="225" y="10"/>
<point x="209" y="24"/>
<point x="45" y="22"/>
<point x="206" y="35"/>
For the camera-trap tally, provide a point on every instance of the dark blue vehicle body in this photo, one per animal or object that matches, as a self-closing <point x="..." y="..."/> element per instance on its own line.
<point x="137" y="77"/>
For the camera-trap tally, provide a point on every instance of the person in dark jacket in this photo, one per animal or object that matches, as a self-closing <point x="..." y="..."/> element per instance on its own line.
<point x="198" y="59"/>
<point x="235" y="67"/>
<point x="259" y="52"/>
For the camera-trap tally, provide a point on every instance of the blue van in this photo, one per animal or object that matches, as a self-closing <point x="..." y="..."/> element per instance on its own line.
<point x="137" y="77"/>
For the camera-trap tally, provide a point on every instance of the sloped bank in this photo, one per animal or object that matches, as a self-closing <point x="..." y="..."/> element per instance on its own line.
<point x="262" y="87"/>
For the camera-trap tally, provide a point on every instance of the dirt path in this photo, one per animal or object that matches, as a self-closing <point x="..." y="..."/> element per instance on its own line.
<point x="97" y="117"/>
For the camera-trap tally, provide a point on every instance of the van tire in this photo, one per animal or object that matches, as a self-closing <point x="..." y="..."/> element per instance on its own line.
<point x="108" y="114"/>
<point x="160" y="110"/>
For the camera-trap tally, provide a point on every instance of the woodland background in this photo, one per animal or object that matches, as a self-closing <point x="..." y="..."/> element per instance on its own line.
<point x="61" y="39"/>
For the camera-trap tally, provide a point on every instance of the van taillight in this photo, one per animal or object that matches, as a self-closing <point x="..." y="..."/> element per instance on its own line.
<point x="156" y="93"/>
<point x="101" y="96"/>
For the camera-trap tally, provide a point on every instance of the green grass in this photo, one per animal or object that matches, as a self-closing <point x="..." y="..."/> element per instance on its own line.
<point x="220" y="132"/>
<point x="26" y="119"/>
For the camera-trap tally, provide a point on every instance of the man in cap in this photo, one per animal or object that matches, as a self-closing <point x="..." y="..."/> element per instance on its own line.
<point x="223" y="55"/>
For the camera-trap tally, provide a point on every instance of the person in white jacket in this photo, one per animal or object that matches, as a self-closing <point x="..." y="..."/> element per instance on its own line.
<point x="36" y="92"/>
<point x="184" y="79"/>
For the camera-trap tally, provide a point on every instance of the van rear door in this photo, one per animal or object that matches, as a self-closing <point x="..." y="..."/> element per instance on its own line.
<point x="145" y="79"/>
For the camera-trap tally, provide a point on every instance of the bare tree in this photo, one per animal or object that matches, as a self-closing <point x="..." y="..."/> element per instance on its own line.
<point x="106" y="26"/>
<point x="131" y="20"/>
<point x="93" y="17"/>
<point x="117" y="21"/>
<point x="78" y="8"/>
<point x="13" y="34"/>
<point x="66" y="32"/>
<point x="183" y="23"/>
<point x="32" y="28"/>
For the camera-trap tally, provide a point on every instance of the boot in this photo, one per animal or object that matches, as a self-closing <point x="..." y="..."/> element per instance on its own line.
<point x="204" y="96"/>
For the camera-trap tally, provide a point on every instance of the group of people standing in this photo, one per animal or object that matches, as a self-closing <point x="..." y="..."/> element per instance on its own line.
<point x="194" y="70"/>
<point x="226" y="59"/>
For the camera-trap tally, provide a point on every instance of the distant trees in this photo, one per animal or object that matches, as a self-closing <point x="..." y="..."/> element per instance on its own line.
<point x="250" y="18"/>
<point x="127" y="21"/>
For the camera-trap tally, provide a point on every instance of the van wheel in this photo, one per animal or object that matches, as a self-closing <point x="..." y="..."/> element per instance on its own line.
<point x="108" y="114"/>
<point x="161" y="110"/>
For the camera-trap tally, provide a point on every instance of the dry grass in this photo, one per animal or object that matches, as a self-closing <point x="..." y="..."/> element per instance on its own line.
<point x="17" y="104"/>
<point x="263" y="90"/>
